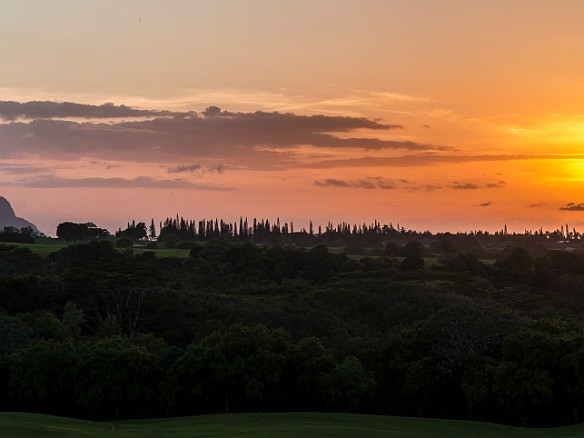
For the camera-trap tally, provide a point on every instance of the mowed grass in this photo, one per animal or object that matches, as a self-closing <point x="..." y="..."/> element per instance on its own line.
<point x="21" y="425"/>
<point x="47" y="247"/>
<point x="42" y="249"/>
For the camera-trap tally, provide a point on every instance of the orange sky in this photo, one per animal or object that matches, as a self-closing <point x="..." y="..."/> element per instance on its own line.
<point x="443" y="115"/>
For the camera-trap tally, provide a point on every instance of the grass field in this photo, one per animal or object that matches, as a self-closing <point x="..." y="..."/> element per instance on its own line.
<point x="42" y="249"/>
<point x="47" y="247"/>
<point x="20" y="425"/>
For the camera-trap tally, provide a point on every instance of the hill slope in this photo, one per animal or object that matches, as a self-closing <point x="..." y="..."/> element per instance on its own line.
<point x="9" y="219"/>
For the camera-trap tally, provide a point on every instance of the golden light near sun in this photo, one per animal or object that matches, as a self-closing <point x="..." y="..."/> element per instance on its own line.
<point x="567" y="132"/>
<point x="575" y="170"/>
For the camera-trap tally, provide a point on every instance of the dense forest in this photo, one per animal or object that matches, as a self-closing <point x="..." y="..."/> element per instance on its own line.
<point x="467" y="326"/>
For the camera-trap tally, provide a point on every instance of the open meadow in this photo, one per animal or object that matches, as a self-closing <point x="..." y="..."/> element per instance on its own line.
<point x="21" y="425"/>
<point x="49" y="246"/>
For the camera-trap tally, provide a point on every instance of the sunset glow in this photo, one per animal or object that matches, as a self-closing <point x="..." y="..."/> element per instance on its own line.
<point x="443" y="115"/>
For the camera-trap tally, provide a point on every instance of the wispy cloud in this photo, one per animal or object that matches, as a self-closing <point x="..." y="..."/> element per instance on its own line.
<point x="466" y="186"/>
<point x="386" y="184"/>
<point x="364" y="183"/>
<point x="10" y="110"/>
<point x="20" y="169"/>
<point x="485" y="204"/>
<point x="473" y="186"/>
<point x="496" y="185"/>
<point x="430" y="158"/>
<point x="425" y="188"/>
<point x="50" y="181"/>
<point x="191" y="168"/>
<point x="184" y="168"/>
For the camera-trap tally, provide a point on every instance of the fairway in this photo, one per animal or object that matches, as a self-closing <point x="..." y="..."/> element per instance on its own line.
<point x="22" y="425"/>
<point x="48" y="247"/>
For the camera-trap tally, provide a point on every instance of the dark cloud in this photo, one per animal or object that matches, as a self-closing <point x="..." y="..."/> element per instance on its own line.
<point x="425" y="188"/>
<point x="496" y="185"/>
<point x="376" y="182"/>
<point x="467" y="186"/>
<point x="364" y="183"/>
<point x="472" y="186"/>
<point x="538" y="204"/>
<point x="49" y="181"/>
<point x="184" y="168"/>
<point x="260" y="138"/>
<point x="331" y="182"/>
<point x="486" y="204"/>
<point x="219" y="168"/>
<point x="218" y="130"/>
<point x="10" y="110"/>
<point x="573" y="207"/>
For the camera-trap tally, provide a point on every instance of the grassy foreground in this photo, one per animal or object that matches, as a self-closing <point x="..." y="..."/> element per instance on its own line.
<point x="22" y="425"/>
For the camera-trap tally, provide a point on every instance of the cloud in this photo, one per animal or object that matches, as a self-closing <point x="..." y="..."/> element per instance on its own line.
<point x="10" y="110"/>
<point x="259" y="138"/>
<point x="467" y="186"/>
<point x="376" y="182"/>
<point x="49" y="181"/>
<point x="496" y="185"/>
<point x="425" y="188"/>
<point x="184" y="168"/>
<point x="364" y="183"/>
<point x="20" y="169"/>
<point x="538" y="204"/>
<point x="472" y="186"/>
<point x="573" y="207"/>
<point x="331" y="182"/>
<point x="485" y="204"/>
<point x="428" y="159"/>
<point x="219" y="168"/>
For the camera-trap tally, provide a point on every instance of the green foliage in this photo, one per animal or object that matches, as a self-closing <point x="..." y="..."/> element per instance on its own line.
<point x="124" y="242"/>
<point x="412" y="262"/>
<point x="72" y="232"/>
<point x="45" y="373"/>
<point x="237" y="367"/>
<point x="112" y="376"/>
<point x="309" y="362"/>
<point x="13" y="334"/>
<point x="95" y="332"/>
<point x="134" y="231"/>
<point x="348" y="387"/>
<point x="518" y="266"/>
<point x="15" y="260"/>
<point x="120" y="375"/>
<point x="413" y="248"/>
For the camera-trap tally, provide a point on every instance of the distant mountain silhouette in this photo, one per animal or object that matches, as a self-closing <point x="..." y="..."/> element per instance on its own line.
<point x="9" y="219"/>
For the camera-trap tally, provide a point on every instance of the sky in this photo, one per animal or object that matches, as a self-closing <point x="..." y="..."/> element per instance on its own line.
<point x="440" y="115"/>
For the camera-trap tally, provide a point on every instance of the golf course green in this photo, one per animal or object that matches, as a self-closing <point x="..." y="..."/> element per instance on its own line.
<point x="23" y="425"/>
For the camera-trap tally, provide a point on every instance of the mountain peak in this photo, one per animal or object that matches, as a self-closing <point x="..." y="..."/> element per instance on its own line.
<point x="6" y="210"/>
<point x="8" y="217"/>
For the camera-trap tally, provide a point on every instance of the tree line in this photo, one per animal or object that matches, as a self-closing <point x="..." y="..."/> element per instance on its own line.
<point x="375" y="238"/>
